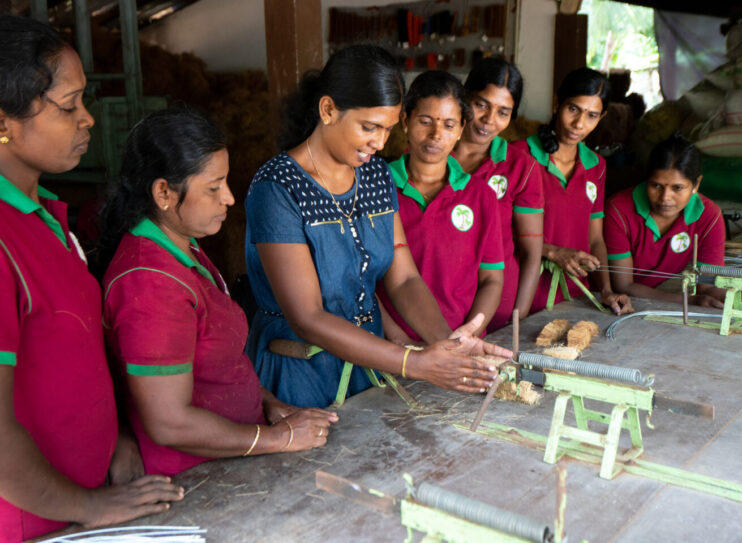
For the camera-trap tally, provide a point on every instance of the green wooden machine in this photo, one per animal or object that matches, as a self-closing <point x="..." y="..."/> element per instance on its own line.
<point x="447" y="516"/>
<point x="625" y="389"/>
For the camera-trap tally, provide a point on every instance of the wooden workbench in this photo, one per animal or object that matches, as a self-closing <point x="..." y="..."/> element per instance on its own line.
<point x="273" y="497"/>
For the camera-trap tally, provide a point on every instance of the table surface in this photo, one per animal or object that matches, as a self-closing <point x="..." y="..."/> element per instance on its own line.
<point x="273" y="497"/>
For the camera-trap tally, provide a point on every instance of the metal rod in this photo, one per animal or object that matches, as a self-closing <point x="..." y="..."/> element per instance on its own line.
<point x="132" y="63"/>
<point x="83" y="38"/>
<point x="39" y="10"/>
<point x="482" y="513"/>
<point x="610" y="332"/>
<point x="695" y="251"/>
<point x="726" y="271"/>
<point x="485" y="404"/>
<point x="491" y="392"/>
<point x="516" y="334"/>
<point x="629" y="376"/>
<point x="685" y="303"/>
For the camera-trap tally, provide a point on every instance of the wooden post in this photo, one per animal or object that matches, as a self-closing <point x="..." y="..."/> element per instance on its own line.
<point x="570" y="45"/>
<point x="293" y="43"/>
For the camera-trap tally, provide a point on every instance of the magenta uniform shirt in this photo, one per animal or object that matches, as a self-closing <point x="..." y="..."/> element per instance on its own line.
<point x="630" y="230"/>
<point x="516" y="179"/>
<point x="166" y="314"/>
<point x="450" y="239"/>
<point x="569" y="205"/>
<point x="51" y="334"/>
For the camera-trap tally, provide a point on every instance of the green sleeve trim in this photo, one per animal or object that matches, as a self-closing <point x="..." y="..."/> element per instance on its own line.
<point x="147" y="371"/>
<point x="492" y="266"/>
<point x="704" y="263"/>
<point x="620" y="256"/>
<point x="7" y="358"/>
<point x="519" y="209"/>
<point x="597" y="215"/>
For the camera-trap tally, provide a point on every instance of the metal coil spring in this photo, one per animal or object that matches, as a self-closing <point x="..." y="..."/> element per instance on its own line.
<point x="484" y="514"/>
<point x="727" y="271"/>
<point x="588" y="369"/>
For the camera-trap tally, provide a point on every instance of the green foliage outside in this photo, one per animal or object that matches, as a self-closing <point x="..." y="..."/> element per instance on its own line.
<point x="622" y="36"/>
<point x="627" y="30"/>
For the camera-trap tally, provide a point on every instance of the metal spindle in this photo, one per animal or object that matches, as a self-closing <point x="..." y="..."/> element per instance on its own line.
<point x="588" y="369"/>
<point x="484" y="514"/>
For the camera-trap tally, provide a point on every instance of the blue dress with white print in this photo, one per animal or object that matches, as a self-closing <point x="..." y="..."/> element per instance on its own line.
<point x="286" y="205"/>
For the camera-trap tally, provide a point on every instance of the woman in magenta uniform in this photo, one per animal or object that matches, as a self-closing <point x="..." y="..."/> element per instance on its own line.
<point x="176" y="335"/>
<point x="573" y="183"/>
<point x="450" y="220"/>
<point x="322" y="224"/>
<point x="495" y="87"/>
<point x="57" y="410"/>
<point x="651" y="227"/>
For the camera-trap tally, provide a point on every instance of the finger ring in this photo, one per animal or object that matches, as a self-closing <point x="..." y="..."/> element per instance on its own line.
<point x="463" y="380"/>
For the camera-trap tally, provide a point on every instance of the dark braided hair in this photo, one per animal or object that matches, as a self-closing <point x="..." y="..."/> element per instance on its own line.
<point x="29" y="54"/>
<point x="172" y="144"/>
<point x="354" y="77"/>
<point x="441" y="85"/>
<point x="579" y="82"/>
<point x="677" y="153"/>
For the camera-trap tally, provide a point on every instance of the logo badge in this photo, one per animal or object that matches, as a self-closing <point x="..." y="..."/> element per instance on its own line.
<point x="462" y="217"/>
<point x="592" y="191"/>
<point x="680" y="242"/>
<point x="498" y="183"/>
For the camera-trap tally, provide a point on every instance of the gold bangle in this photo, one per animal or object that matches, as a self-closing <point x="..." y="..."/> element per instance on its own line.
<point x="291" y="436"/>
<point x="254" y="441"/>
<point x="404" y="361"/>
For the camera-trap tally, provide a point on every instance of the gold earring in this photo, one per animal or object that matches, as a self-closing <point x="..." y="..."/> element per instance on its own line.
<point x="4" y="139"/>
<point x="325" y="122"/>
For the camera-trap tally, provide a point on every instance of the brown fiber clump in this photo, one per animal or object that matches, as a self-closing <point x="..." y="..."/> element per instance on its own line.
<point x="552" y="333"/>
<point x="581" y="334"/>
<point x="509" y="392"/>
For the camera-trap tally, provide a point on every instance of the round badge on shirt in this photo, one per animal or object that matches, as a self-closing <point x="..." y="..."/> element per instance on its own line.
<point x="462" y="217"/>
<point x="498" y="183"/>
<point x="591" y="190"/>
<point x="680" y="242"/>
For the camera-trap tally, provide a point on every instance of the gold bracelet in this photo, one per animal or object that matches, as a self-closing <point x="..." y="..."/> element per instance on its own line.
<point x="291" y="436"/>
<point x="404" y="361"/>
<point x="254" y="441"/>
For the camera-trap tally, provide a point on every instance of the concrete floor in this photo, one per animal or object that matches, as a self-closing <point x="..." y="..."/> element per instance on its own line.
<point x="273" y="498"/>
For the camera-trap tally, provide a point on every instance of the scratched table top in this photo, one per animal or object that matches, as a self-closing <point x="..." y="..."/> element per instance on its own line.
<point x="274" y="498"/>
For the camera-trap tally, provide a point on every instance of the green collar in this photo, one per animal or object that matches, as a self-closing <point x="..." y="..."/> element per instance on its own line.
<point x="147" y="229"/>
<point x="498" y="149"/>
<point x="587" y="157"/>
<point x="457" y="178"/>
<point x="12" y="195"/>
<point x="692" y="212"/>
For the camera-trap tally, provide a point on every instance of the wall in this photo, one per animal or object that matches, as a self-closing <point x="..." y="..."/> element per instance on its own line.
<point x="229" y="35"/>
<point x="534" y="56"/>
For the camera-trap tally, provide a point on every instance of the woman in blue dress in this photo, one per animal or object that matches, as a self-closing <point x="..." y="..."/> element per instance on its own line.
<point x="323" y="228"/>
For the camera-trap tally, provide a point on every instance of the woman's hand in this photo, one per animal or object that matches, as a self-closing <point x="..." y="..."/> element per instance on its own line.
<point x="274" y="409"/>
<point x="114" y="504"/>
<point x="126" y="464"/>
<point x="704" y="300"/>
<point x="620" y="304"/>
<point x="576" y="262"/>
<point x="474" y="345"/>
<point x="311" y="428"/>
<point x="441" y="365"/>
